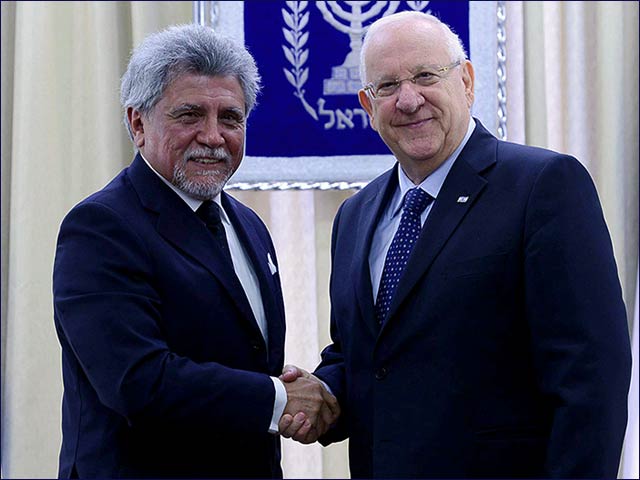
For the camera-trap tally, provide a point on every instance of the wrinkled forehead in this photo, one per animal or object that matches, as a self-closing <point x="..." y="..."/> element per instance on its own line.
<point x="404" y="45"/>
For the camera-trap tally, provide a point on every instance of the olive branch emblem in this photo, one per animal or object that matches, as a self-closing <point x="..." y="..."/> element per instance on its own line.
<point x="418" y="6"/>
<point x="297" y="19"/>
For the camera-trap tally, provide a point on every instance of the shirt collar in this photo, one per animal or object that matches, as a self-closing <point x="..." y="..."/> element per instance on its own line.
<point x="192" y="202"/>
<point x="433" y="183"/>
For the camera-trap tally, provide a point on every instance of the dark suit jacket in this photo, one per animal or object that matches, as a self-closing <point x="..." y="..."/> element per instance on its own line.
<point x="166" y="373"/>
<point x="506" y="352"/>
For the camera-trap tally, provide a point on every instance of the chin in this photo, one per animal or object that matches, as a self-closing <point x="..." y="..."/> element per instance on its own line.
<point x="420" y="153"/>
<point x="206" y="189"/>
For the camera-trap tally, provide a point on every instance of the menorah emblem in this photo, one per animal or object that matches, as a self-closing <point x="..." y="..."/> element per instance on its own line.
<point x="345" y="78"/>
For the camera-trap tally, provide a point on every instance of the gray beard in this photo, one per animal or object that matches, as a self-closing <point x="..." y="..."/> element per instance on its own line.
<point x="207" y="188"/>
<point x="203" y="189"/>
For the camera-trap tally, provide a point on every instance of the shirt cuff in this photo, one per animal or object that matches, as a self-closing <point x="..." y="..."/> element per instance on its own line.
<point x="278" y="404"/>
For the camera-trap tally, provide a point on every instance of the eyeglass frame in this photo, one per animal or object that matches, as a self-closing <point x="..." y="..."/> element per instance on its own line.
<point x="439" y="71"/>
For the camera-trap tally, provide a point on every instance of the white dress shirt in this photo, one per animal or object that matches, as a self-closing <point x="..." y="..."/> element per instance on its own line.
<point x="249" y="281"/>
<point x="390" y="220"/>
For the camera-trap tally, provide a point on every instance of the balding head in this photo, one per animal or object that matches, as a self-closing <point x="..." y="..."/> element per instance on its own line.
<point x="451" y="41"/>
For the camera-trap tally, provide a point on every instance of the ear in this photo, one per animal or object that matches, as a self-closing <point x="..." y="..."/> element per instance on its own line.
<point x="468" y="78"/>
<point x="365" y="101"/>
<point x="136" y="122"/>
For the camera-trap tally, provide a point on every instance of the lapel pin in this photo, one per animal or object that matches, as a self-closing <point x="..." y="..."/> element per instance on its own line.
<point x="463" y="199"/>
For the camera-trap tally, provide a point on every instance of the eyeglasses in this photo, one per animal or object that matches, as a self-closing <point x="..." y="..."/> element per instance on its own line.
<point x="425" y="78"/>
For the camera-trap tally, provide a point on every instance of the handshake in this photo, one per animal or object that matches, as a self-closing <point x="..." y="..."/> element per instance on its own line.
<point x="310" y="409"/>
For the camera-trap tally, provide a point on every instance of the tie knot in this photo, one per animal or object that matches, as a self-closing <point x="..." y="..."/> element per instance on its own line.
<point x="416" y="200"/>
<point x="209" y="213"/>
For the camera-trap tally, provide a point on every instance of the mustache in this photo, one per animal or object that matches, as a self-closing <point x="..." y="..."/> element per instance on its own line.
<point x="219" y="154"/>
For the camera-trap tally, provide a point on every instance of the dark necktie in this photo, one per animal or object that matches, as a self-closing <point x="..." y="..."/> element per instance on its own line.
<point x="415" y="202"/>
<point x="209" y="213"/>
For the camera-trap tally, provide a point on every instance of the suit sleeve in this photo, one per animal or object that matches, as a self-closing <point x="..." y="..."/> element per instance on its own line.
<point x="332" y="369"/>
<point x="107" y="306"/>
<point x="578" y="324"/>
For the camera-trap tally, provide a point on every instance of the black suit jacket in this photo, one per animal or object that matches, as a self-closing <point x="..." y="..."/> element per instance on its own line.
<point x="166" y="373"/>
<point x="506" y="350"/>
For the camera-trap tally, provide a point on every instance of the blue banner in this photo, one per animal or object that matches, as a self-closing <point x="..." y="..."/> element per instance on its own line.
<point x="308" y="56"/>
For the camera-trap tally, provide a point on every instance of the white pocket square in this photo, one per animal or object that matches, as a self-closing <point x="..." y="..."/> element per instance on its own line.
<point x="272" y="266"/>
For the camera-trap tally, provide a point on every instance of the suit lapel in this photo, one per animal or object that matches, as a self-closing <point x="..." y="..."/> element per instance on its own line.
<point x="463" y="180"/>
<point x="258" y="252"/>
<point x="179" y="225"/>
<point x="371" y="210"/>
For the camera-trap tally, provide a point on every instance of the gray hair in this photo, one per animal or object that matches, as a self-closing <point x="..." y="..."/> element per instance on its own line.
<point x="452" y="41"/>
<point x="164" y="56"/>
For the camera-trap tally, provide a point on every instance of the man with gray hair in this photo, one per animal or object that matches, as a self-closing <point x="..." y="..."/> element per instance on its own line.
<point x="477" y="322"/>
<point x="167" y="299"/>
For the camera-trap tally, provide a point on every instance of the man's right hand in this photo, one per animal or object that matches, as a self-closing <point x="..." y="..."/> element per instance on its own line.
<point x="310" y="409"/>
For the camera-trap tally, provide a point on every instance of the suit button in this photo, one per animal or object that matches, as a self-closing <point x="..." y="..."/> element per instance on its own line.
<point x="381" y="373"/>
<point x="255" y="345"/>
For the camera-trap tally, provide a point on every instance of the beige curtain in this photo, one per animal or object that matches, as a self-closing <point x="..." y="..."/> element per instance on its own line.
<point x="573" y="86"/>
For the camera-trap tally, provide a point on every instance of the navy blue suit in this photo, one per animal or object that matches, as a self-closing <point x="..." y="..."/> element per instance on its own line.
<point x="506" y="350"/>
<point x="166" y="373"/>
